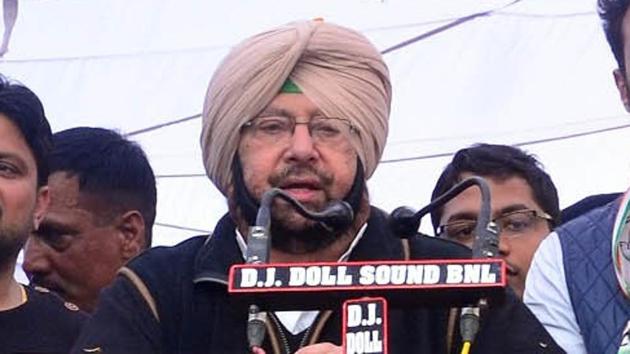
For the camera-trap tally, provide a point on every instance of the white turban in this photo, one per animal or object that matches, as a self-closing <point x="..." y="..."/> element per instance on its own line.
<point x="335" y="67"/>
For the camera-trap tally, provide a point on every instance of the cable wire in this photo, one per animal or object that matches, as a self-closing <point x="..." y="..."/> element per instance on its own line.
<point x="455" y="23"/>
<point x="466" y="348"/>
<point x="545" y="16"/>
<point x="423" y="157"/>
<point x="524" y="143"/>
<point x="177" y="227"/>
<point x="450" y="153"/>
<point x="452" y="22"/>
<point x="163" y="125"/>
<point x="560" y="126"/>
<point x="496" y="13"/>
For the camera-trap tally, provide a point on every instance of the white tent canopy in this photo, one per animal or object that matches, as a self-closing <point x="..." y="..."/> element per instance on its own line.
<point x="526" y="71"/>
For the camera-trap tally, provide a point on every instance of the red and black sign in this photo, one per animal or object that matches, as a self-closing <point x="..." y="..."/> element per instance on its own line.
<point x="314" y="285"/>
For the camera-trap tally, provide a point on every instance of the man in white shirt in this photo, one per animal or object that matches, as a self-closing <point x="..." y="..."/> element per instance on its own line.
<point x="572" y="286"/>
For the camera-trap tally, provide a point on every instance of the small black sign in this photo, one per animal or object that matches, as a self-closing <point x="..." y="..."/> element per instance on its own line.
<point x="365" y="326"/>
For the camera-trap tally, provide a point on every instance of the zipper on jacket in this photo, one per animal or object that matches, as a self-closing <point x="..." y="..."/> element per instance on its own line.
<point x="307" y="334"/>
<point x="283" y="337"/>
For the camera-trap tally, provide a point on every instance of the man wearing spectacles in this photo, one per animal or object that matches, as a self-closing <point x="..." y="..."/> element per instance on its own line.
<point x="304" y="108"/>
<point x="524" y="204"/>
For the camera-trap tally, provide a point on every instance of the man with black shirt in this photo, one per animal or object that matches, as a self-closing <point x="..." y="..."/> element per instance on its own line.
<point x="31" y="320"/>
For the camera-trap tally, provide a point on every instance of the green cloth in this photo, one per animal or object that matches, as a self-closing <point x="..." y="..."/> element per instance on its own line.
<point x="290" y="87"/>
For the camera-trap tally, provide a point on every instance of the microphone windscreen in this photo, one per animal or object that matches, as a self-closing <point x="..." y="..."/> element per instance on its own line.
<point x="338" y="215"/>
<point x="404" y="222"/>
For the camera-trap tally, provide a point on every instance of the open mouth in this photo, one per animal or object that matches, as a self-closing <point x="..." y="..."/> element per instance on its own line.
<point x="301" y="189"/>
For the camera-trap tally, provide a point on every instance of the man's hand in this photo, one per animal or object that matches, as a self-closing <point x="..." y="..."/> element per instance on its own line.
<point x="320" y="348"/>
<point x="257" y="350"/>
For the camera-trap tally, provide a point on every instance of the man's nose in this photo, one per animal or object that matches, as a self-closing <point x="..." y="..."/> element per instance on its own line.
<point x="504" y="246"/>
<point x="302" y="145"/>
<point x="35" y="258"/>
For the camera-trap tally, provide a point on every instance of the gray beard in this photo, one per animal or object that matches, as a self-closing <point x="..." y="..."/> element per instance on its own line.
<point x="309" y="239"/>
<point x="293" y="234"/>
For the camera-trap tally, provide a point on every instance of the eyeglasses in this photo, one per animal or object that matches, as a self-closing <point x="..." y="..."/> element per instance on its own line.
<point x="276" y="129"/>
<point x="510" y="225"/>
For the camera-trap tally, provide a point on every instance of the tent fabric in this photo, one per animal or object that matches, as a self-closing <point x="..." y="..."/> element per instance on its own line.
<point x="534" y="71"/>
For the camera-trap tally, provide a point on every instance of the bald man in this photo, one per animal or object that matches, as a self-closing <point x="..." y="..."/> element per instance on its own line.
<point x="304" y="108"/>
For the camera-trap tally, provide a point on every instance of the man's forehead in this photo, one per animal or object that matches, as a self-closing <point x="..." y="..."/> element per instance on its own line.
<point x="64" y="188"/>
<point x="12" y="140"/>
<point x="72" y="209"/>
<point x="65" y="193"/>
<point x="507" y="194"/>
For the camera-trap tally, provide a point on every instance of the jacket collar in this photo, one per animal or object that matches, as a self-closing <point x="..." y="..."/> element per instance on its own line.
<point x="218" y="253"/>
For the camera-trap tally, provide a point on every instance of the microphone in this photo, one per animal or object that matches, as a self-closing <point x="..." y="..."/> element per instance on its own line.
<point x="256" y="321"/>
<point x="405" y="222"/>
<point x="486" y="244"/>
<point x="469" y="326"/>
<point x="313" y="285"/>
<point x="336" y="216"/>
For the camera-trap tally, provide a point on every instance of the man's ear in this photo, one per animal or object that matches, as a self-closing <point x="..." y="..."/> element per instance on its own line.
<point x="41" y="206"/>
<point x="132" y="229"/>
<point x="622" y="86"/>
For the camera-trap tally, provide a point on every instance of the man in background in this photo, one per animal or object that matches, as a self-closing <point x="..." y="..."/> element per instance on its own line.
<point x="572" y="287"/>
<point x="524" y="203"/>
<point x="102" y="209"/>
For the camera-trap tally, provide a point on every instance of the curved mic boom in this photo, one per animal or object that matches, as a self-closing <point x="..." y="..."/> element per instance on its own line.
<point x="336" y="216"/>
<point x="404" y="221"/>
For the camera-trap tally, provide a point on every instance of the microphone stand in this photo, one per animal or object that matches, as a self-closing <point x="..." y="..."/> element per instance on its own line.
<point x="406" y="222"/>
<point x="335" y="216"/>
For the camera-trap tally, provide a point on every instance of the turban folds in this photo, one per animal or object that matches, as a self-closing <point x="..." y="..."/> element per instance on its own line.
<point x="335" y="67"/>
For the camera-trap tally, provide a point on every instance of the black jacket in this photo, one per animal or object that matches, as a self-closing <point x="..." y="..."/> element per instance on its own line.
<point x="196" y="314"/>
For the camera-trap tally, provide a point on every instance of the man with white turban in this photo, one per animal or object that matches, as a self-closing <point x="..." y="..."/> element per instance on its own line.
<point x="303" y="108"/>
